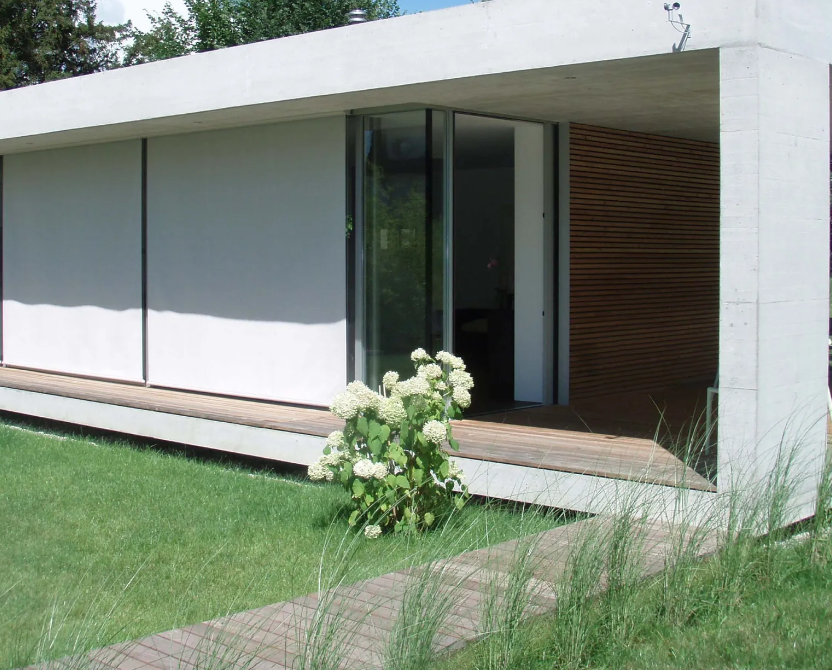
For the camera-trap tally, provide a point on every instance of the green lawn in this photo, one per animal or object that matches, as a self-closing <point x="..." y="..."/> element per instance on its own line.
<point x="97" y="531"/>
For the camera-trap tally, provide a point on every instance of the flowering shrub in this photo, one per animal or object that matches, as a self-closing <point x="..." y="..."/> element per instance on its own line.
<point x="390" y="455"/>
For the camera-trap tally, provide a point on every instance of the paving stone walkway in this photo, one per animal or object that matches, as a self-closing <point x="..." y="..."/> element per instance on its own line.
<point x="354" y="623"/>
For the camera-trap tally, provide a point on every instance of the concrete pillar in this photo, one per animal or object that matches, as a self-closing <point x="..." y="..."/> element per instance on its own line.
<point x="774" y="281"/>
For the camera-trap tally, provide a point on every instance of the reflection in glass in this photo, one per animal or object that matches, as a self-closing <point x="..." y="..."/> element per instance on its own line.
<point x="403" y="238"/>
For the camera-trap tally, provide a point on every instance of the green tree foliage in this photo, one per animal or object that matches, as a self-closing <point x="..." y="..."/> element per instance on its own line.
<point x="44" y="40"/>
<point x="216" y="24"/>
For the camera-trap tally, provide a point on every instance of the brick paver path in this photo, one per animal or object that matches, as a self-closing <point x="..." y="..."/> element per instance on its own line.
<point x="274" y="637"/>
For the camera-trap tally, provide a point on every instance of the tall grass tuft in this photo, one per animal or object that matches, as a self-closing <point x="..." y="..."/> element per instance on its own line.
<point x="429" y="595"/>
<point x="508" y="597"/>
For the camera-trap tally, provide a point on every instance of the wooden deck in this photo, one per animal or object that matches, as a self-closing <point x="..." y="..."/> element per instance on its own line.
<point x="514" y="438"/>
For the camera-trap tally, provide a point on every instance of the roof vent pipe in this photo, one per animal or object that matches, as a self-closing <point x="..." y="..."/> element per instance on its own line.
<point x="357" y="16"/>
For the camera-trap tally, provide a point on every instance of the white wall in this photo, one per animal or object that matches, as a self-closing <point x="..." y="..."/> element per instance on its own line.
<point x="246" y="261"/>
<point x="72" y="260"/>
<point x="529" y="262"/>
<point x="774" y="291"/>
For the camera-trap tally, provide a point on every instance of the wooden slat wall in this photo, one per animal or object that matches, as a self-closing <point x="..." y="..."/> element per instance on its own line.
<point x="644" y="252"/>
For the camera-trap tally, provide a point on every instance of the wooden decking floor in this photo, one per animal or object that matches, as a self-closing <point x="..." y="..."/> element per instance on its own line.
<point x="362" y="615"/>
<point x="512" y="438"/>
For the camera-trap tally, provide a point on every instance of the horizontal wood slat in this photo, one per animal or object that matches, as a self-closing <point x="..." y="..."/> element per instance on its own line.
<point x="644" y="261"/>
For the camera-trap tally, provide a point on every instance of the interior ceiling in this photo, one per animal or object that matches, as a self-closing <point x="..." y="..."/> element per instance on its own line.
<point x="672" y="94"/>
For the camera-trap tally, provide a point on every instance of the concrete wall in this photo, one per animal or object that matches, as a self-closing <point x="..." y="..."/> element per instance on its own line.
<point x="246" y="261"/>
<point x="72" y="260"/>
<point x="316" y="74"/>
<point x="774" y="293"/>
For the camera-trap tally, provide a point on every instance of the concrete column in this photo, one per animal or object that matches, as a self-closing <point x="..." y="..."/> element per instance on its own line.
<point x="774" y="281"/>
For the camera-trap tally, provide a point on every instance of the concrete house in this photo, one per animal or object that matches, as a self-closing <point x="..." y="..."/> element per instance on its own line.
<point x="609" y="219"/>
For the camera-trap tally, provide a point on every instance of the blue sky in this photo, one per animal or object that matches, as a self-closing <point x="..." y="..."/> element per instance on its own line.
<point x="413" y="6"/>
<point x="118" y="11"/>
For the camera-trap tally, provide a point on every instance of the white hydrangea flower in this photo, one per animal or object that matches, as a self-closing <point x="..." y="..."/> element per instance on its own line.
<point x="435" y="432"/>
<point x="412" y="386"/>
<point x="419" y="355"/>
<point x="441" y="386"/>
<point x="372" y="532"/>
<point x="367" y="398"/>
<point x="449" y="359"/>
<point x="462" y="397"/>
<point x="392" y="411"/>
<point x="332" y="458"/>
<point x="363" y="469"/>
<point x="390" y="379"/>
<point x="430" y="371"/>
<point x="461" y="379"/>
<point x="380" y="471"/>
<point x="335" y="440"/>
<point x="319" y="472"/>
<point x="345" y="406"/>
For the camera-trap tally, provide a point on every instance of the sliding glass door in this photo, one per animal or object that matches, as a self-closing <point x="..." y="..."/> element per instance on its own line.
<point x="452" y="260"/>
<point x="403" y="236"/>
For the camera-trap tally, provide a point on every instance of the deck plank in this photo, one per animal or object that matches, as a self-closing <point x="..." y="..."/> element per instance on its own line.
<point x="535" y="446"/>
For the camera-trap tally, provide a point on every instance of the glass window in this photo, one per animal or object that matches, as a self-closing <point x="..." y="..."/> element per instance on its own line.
<point x="403" y="238"/>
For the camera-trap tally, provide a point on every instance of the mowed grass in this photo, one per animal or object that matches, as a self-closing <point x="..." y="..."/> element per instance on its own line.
<point x="124" y="541"/>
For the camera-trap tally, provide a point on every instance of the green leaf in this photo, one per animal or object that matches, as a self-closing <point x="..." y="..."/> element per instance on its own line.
<point x="375" y="445"/>
<point x="347" y="468"/>
<point x="422" y="439"/>
<point x="327" y="451"/>
<point x="390" y="494"/>
<point x="354" y="517"/>
<point x="391" y="481"/>
<point x="454" y="444"/>
<point x="369" y="499"/>
<point x="362" y="427"/>
<point x="375" y="429"/>
<point x="357" y="487"/>
<point x="444" y="469"/>
<point x="344" y="476"/>
<point x="429" y="519"/>
<point x="418" y="475"/>
<point x="384" y="433"/>
<point x="402" y="482"/>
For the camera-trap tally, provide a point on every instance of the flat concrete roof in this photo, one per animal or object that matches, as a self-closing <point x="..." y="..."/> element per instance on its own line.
<point x="594" y="62"/>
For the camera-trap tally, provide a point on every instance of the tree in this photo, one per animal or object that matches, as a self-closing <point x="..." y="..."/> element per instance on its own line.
<point x="44" y="40"/>
<point x="216" y="24"/>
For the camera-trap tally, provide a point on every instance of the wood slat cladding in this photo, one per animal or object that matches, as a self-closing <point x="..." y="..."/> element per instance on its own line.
<point x="644" y="261"/>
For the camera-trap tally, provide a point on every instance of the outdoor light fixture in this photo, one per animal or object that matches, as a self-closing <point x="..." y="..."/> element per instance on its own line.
<point x="675" y="19"/>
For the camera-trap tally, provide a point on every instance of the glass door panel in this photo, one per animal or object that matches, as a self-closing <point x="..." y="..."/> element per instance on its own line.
<point x="403" y="238"/>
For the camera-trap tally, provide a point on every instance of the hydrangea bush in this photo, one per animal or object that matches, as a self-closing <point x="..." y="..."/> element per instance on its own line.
<point x="390" y="455"/>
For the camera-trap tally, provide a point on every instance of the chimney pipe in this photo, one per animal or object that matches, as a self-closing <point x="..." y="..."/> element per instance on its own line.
<point x="357" y="16"/>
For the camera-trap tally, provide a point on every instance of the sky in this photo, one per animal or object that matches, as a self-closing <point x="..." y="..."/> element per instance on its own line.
<point x="120" y="11"/>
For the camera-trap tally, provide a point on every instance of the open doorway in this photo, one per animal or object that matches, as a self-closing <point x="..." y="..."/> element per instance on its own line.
<point x="498" y="259"/>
